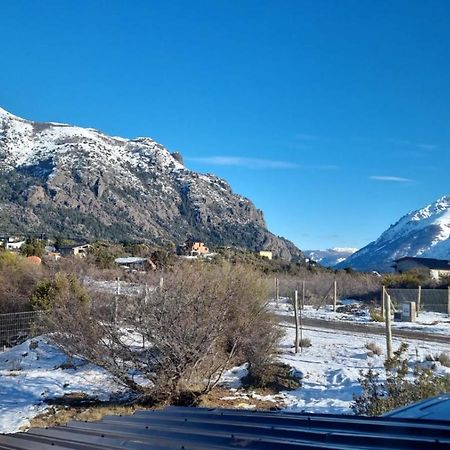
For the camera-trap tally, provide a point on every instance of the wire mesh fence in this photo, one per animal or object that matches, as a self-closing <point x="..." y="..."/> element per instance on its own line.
<point x="432" y="300"/>
<point x="15" y="328"/>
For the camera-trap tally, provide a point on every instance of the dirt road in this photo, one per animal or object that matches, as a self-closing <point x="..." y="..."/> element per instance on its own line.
<point x="369" y="329"/>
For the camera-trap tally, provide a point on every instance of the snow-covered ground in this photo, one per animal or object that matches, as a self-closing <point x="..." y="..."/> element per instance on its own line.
<point x="330" y="368"/>
<point x="30" y="374"/>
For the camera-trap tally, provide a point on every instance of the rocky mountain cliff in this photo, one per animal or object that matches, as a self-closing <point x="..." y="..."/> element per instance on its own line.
<point x="425" y="233"/>
<point x="78" y="182"/>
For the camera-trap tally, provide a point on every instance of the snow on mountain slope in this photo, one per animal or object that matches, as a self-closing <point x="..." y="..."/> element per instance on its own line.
<point x="79" y="182"/>
<point x="330" y="257"/>
<point x="425" y="233"/>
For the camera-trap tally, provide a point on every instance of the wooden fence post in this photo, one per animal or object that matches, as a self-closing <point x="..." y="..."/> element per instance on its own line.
<point x="116" y="299"/>
<point x="383" y="296"/>
<point x="296" y="321"/>
<point x="419" y="299"/>
<point x="277" y="292"/>
<point x="334" y="295"/>
<point x="303" y="294"/>
<point x="387" y="313"/>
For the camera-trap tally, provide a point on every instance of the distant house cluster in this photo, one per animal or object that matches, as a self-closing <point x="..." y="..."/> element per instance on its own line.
<point x="14" y="243"/>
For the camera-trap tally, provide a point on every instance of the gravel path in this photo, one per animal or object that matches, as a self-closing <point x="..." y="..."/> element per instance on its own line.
<point x="368" y="329"/>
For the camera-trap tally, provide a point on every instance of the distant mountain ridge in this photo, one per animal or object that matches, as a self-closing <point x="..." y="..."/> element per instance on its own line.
<point x="424" y="233"/>
<point x="331" y="256"/>
<point x="62" y="179"/>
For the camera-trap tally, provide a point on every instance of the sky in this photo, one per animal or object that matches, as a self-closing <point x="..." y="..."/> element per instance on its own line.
<point x="332" y="117"/>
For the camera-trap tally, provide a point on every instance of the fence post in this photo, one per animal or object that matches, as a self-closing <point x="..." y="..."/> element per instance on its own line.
<point x="419" y="299"/>
<point x="303" y="294"/>
<point x="334" y="295"/>
<point x="387" y="313"/>
<point x="116" y="299"/>
<point x="296" y="321"/>
<point x="277" y="292"/>
<point x="383" y="296"/>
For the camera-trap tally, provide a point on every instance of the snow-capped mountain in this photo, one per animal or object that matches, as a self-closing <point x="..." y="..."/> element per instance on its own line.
<point x="79" y="182"/>
<point x="425" y="233"/>
<point x="331" y="256"/>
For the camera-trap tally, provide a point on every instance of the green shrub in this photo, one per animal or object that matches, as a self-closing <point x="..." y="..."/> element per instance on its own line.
<point x="397" y="391"/>
<point x="62" y="288"/>
<point x="33" y="247"/>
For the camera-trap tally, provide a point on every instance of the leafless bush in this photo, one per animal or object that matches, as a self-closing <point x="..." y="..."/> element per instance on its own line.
<point x="443" y="358"/>
<point x="375" y="315"/>
<point x="178" y="338"/>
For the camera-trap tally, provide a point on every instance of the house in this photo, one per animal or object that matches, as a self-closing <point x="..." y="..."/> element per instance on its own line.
<point x="80" y="250"/>
<point x="266" y="254"/>
<point x="435" y="267"/>
<point x="194" y="247"/>
<point x="14" y="243"/>
<point x="135" y="263"/>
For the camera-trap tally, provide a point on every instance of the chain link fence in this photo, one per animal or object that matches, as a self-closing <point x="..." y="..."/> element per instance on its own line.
<point x="16" y="328"/>
<point x="432" y="300"/>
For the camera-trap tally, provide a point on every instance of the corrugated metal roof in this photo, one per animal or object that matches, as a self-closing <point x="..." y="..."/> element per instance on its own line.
<point x="431" y="408"/>
<point x="197" y="428"/>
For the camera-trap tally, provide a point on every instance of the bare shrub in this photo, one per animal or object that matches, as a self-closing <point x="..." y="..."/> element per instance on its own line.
<point x="305" y="343"/>
<point x="178" y="338"/>
<point x="375" y="315"/>
<point x="443" y="358"/>
<point x="374" y="349"/>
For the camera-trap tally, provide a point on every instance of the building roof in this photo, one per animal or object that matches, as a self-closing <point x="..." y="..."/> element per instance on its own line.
<point x="431" y="408"/>
<point x="130" y="260"/>
<point x="430" y="263"/>
<point x="201" y="428"/>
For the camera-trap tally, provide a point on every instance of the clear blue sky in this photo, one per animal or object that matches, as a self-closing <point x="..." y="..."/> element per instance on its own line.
<point x="332" y="116"/>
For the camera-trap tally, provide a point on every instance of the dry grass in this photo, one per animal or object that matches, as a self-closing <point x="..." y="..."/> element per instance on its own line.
<point x="61" y="415"/>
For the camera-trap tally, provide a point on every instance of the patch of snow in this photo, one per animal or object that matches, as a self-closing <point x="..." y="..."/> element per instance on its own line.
<point x="30" y="375"/>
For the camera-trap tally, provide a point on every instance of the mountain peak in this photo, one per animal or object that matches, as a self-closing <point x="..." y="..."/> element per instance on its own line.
<point x="424" y="232"/>
<point x="84" y="183"/>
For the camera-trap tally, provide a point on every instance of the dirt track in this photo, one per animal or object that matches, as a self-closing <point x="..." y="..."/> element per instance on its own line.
<point x="369" y="329"/>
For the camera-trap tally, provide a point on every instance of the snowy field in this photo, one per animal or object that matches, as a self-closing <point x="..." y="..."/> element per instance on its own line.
<point x="332" y="364"/>
<point x="330" y="369"/>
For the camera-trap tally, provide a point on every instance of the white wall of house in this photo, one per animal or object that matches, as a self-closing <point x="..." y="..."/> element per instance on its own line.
<point x="14" y="245"/>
